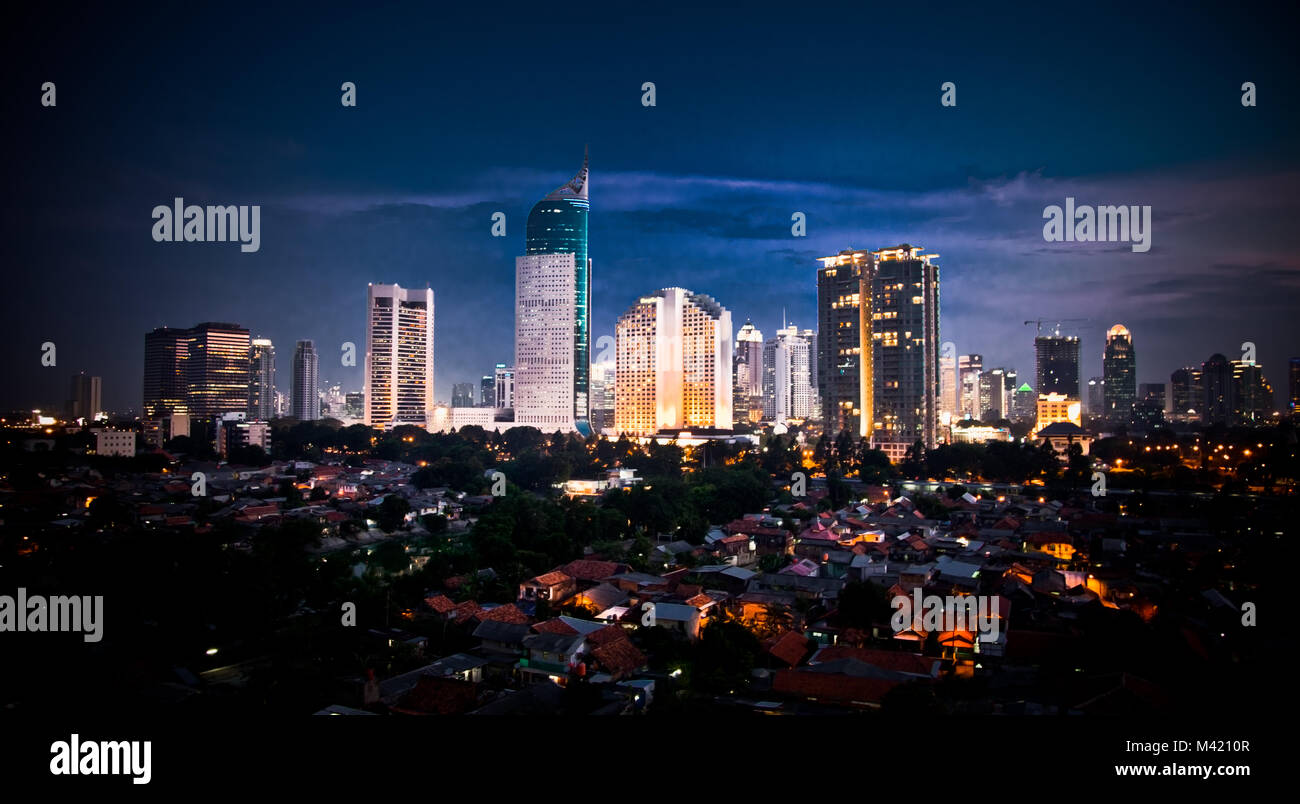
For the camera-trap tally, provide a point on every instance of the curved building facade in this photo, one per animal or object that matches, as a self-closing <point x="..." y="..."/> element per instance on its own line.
<point x="558" y="225"/>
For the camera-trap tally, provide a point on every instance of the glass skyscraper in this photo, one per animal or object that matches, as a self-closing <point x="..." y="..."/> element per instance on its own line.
<point x="558" y="225"/>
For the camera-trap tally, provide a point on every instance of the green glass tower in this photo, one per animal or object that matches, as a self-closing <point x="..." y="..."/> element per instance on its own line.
<point x="558" y="225"/>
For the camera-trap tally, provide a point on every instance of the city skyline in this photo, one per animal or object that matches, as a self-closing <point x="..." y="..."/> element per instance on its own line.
<point x="710" y="210"/>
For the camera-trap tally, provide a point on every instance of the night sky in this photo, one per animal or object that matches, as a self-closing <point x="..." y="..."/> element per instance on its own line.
<point x="761" y="113"/>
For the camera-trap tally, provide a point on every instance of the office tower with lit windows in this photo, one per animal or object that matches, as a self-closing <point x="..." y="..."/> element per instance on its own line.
<point x="1152" y="390"/>
<point x="1056" y="359"/>
<point x="1096" y="396"/>
<point x="217" y="369"/>
<point x="85" y="397"/>
<point x="1293" y="396"/>
<point x="747" y="397"/>
<point x="553" y="314"/>
<point x="305" y="391"/>
<point x="602" y="395"/>
<point x="503" y="395"/>
<point x="166" y="390"/>
<point x="788" y="392"/>
<point x="1026" y="403"/>
<point x="462" y="395"/>
<point x="1185" y="391"/>
<point x="969" y="369"/>
<point x="1119" y="369"/>
<point x="261" y="380"/>
<point x="673" y="358"/>
<point x="949" y="386"/>
<point x="487" y="390"/>
<point x="993" y="394"/>
<point x="904" y="304"/>
<point x="399" y="356"/>
<point x="1252" y="394"/>
<point x="843" y="325"/>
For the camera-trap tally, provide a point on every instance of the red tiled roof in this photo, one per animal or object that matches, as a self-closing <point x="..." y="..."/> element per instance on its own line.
<point x="466" y="610"/>
<point x="440" y="603"/>
<point x="509" y="613"/>
<point x="555" y="626"/>
<point x="553" y="578"/>
<point x="619" y="657"/>
<point x="699" y="600"/>
<point x="789" y="647"/>
<point x="606" y="635"/>
<point x="885" y="659"/>
<point x="585" y="569"/>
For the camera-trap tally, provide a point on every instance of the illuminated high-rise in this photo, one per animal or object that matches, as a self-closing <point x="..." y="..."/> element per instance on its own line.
<point x="261" y="380"/>
<point x="969" y="369"/>
<point x="553" y="314"/>
<point x="787" y="376"/>
<point x="747" y="398"/>
<point x="1056" y="360"/>
<point x="217" y="370"/>
<point x="904" y="365"/>
<point x="399" y="356"/>
<point x="166" y="350"/>
<point x="305" y="395"/>
<point x="843" y="322"/>
<point x="673" y="358"/>
<point x="1119" y="369"/>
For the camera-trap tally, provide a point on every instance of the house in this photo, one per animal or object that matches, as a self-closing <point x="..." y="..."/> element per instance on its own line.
<point x="678" y="617"/>
<point x="551" y="657"/>
<point x="551" y="587"/>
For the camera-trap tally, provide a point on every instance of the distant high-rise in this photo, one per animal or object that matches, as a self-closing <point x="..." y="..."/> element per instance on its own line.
<point x="1153" y="391"/>
<point x="85" y="397"/>
<point x="603" y="383"/>
<point x="261" y="380"/>
<point x="217" y="369"/>
<point x="1185" y="392"/>
<point x="1294" y="381"/>
<point x="787" y="376"/>
<point x="1119" y="368"/>
<point x="305" y="393"/>
<point x="487" y="391"/>
<point x="1217" y="403"/>
<point x="673" y="355"/>
<point x="503" y="377"/>
<point x="747" y="397"/>
<point x="462" y="395"/>
<point x="1096" y="398"/>
<point x="843" y="325"/>
<point x="949" y="385"/>
<point x="969" y="369"/>
<point x="399" y="356"/>
<point x="905" y="359"/>
<point x="993" y="395"/>
<point x="552" y="312"/>
<point x="166" y="391"/>
<point x="1251" y="393"/>
<point x="1056" y="360"/>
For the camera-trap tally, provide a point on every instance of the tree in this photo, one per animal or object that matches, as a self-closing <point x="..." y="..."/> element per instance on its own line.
<point x="392" y="512"/>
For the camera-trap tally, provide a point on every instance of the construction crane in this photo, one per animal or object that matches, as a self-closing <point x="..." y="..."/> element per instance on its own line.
<point x="1057" y="321"/>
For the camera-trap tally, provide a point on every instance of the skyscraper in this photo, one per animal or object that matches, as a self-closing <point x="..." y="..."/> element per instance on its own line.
<point x="487" y="390"/>
<point x="1294" y="382"/>
<point x="602" y="395"/>
<point x="261" y="382"/>
<point x="1251" y="392"/>
<point x="1217" y="403"/>
<point x="969" y="369"/>
<point x="503" y="377"/>
<point x="166" y="391"/>
<point x="552" y="313"/>
<point x="1185" y="391"/>
<point x="948" y="386"/>
<point x="904" y="305"/>
<point x="843" y="325"/>
<point x="84" y="397"/>
<point x="673" y="355"/>
<point x="1056" y="360"/>
<point x="1096" y="398"/>
<point x="1119" y="368"/>
<point x="305" y="394"/>
<point x="993" y="395"/>
<point x="747" y="398"/>
<point x="399" y="356"/>
<point x="787" y="376"/>
<point x="217" y="370"/>
<point x="462" y="395"/>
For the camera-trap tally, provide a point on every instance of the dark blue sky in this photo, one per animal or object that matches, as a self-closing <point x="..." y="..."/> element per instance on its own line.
<point x="832" y="111"/>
